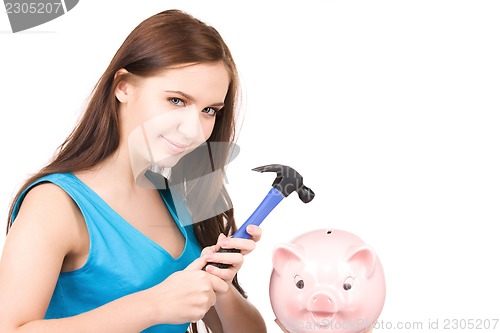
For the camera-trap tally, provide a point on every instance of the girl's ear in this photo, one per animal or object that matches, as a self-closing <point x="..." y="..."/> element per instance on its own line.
<point x="122" y="89"/>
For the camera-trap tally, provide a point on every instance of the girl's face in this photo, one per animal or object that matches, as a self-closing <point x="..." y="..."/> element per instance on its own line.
<point x="170" y="114"/>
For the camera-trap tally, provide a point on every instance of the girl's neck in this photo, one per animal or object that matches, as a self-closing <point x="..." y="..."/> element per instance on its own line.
<point x="114" y="173"/>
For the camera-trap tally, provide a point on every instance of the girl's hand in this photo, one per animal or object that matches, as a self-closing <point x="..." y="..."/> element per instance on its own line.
<point x="185" y="296"/>
<point x="235" y="260"/>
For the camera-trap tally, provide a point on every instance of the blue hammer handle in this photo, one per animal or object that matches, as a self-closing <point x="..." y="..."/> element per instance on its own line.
<point x="271" y="200"/>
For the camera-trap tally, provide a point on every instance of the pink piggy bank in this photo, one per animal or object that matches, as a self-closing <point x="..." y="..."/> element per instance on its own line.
<point x="328" y="281"/>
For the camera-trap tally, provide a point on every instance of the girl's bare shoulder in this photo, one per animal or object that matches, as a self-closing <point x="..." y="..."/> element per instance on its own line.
<point x="48" y="211"/>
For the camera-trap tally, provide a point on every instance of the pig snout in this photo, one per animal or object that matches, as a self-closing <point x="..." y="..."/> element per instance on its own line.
<point x="322" y="306"/>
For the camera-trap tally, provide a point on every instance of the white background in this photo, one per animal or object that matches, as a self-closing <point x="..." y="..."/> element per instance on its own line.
<point x="389" y="109"/>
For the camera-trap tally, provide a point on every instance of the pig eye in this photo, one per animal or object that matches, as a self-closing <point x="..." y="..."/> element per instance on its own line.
<point x="348" y="283"/>
<point x="299" y="283"/>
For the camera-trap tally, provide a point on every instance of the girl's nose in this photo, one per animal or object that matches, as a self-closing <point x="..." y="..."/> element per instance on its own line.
<point x="189" y="123"/>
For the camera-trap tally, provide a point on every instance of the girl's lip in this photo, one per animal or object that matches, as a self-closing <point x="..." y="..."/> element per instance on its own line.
<point x="174" y="146"/>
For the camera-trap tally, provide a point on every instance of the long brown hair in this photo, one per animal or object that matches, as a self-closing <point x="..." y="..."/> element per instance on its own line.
<point x="164" y="40"/>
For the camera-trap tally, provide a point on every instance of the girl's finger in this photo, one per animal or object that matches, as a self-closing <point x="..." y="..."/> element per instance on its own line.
<point x="210" y="249"/>
<point x="255" y="232"/>
<point x="244" y="245"/>
<point x="233" y="259"/>
<point x="226" y="274"/>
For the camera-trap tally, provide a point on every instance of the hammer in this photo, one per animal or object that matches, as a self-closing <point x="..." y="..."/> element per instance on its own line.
<point x="287" y="181"/>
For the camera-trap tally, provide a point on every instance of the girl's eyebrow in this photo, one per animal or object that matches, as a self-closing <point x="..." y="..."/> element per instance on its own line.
<point x="191" y="98"/>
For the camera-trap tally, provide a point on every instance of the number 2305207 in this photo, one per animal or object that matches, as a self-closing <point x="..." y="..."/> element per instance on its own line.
<point x="33" y="7"/>
<point x="470" y="324"/>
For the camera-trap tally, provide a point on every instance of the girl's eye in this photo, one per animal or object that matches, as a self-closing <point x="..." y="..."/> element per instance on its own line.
<point x="176" y="101"/>
<point x="210" y="111"/>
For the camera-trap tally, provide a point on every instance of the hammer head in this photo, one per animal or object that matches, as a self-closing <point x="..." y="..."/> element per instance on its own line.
<point x="287" y="181"/>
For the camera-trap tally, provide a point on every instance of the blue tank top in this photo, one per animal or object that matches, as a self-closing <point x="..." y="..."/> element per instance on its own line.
<point x="121" y="259"/>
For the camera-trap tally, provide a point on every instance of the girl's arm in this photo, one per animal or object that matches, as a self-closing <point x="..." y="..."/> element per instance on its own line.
<point x="237" y="314"/>
<point x="47" y="230"/>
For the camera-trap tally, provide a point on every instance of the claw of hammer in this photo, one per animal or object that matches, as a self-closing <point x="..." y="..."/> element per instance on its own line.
<point x="287" y="181"/>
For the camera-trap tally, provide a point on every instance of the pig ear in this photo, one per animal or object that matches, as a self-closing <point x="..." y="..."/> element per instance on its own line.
<point x="363" y="259"/>
<point x="284" y="254"/>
